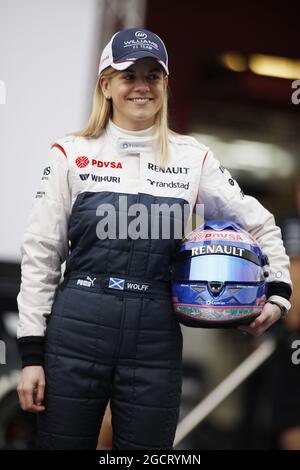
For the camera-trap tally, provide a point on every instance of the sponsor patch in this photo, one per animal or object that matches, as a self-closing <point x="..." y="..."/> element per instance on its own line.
<point x="106" y="164"/>
<point x="100" y="179"/>
<point x="133" y="286"/>
<point x="126" y="146"/>
<point x="116" y="283"/>
<point x="217" y="249"/>
<point x="88" y="282"/>
<point x="171" y="184"/>
<point x="82" y="162"/>
<point x="170" y="169"/>
<point x="84" y="177"/>
<point x="226" y="235"/>
<point x="46" y="173"/>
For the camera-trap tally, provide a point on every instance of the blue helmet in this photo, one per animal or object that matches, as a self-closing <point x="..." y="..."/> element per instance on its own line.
<point x="219" y="277"/>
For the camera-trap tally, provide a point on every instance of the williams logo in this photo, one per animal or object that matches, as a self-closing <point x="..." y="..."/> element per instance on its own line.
<point x="141" y="35"/>
<point x="84" y="177"/>
<point x="142" y="42"/>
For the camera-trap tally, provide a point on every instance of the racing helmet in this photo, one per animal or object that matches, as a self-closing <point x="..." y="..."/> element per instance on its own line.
<point x="219" y="276"/>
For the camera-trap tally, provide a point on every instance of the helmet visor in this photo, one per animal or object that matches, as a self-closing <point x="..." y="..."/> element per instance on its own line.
<point x="221" y="268"/>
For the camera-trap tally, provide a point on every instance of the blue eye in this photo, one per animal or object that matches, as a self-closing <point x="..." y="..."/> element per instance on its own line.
<point x="128" y="76"/>
<point x="153" y="76"/>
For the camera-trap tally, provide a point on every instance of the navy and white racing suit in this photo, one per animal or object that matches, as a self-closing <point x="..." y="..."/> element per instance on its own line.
<point x="112" y="334"/>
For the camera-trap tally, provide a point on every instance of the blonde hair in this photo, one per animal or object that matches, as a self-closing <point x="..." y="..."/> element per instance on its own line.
<point x="102" y="112"/>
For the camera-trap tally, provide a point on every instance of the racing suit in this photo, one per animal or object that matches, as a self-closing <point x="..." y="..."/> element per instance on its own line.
<point x="112" y="334"/>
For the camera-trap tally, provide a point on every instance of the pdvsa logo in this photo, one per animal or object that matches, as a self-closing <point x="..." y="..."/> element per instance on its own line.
<point x="82" y="162"/>
<point x="224" y="235"/>
<point x="106" y="164"/>
<point x="141" y="35"/>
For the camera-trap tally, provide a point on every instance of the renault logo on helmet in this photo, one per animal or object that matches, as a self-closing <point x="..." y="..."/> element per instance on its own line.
<point x="141" y="35"/>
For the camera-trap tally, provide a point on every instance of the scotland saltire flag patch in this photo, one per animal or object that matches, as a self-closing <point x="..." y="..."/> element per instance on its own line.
<point x="116" y="283"/>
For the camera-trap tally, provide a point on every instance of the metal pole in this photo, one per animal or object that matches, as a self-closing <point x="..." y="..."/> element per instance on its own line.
<point x="234" y="379"/>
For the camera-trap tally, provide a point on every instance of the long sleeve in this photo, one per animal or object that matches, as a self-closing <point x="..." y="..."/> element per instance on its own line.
<point x="223" y="199"/>
<point x="44" y="248"/>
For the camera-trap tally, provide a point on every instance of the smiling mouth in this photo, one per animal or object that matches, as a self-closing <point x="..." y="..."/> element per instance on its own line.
<point x="140" y="100"/>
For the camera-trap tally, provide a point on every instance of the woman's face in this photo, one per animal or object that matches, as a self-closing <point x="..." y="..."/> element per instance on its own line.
<point x="137" y="94"/>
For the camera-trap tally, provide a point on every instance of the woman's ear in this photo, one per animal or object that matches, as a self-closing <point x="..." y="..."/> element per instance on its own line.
<point x="166" y="81"/>
<point x="105" y="86"/>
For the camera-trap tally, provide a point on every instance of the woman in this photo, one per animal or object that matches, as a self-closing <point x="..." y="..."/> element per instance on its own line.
<point x="112" y="334"/>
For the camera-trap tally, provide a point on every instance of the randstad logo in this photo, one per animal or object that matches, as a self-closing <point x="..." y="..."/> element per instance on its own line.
<point x="141" y="35"/>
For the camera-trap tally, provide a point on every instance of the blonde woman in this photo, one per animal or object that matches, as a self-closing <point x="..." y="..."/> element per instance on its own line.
<point x="111" y="201"/>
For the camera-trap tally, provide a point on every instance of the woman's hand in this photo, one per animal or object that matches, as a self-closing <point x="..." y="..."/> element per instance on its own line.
<point x="31" y="389"/>
<point x="105" y="435"/>
<point x="269" y="315"/>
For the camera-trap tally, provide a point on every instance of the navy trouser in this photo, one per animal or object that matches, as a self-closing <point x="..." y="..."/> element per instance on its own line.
<point x="120" y="343"/>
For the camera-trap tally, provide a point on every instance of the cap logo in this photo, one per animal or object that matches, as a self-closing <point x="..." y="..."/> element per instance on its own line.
<point x="105" y="58"/>
<point x="141" y="35"/>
